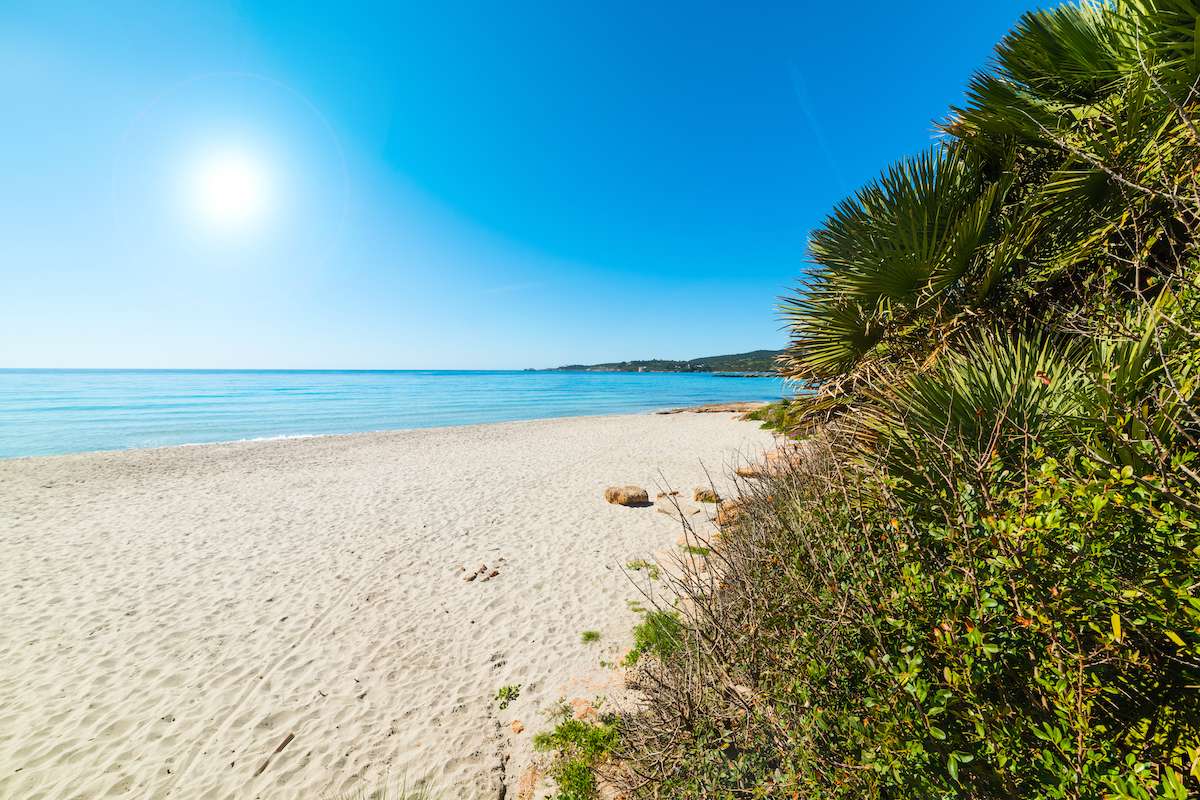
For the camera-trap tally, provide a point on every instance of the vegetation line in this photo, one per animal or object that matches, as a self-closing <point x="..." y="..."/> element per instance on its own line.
<point x="976" y="572"/>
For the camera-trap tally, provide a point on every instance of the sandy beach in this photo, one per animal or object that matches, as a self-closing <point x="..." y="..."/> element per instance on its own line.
<point x="173" y="617"/>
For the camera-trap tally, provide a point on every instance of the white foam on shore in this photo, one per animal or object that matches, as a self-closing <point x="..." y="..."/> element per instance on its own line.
<point x="343" y="434"/>
<point x="280" y="437"/>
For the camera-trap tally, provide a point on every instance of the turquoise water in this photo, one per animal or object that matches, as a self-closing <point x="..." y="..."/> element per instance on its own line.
<point x="44" y="412"/>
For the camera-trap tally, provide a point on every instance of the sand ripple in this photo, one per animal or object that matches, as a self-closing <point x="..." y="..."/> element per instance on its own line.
<point x="172" y="616"/>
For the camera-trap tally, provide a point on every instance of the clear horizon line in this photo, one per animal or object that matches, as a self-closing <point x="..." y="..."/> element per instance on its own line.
<point x="560" y="368"/>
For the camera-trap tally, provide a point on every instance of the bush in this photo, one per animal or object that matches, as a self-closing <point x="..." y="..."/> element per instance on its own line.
<point x="579" y="746"/>
<point x="773" y="416"/>
<point x="980" y="576"/>
<point x="660" y="632"/>
<point x="1000" y="597"/>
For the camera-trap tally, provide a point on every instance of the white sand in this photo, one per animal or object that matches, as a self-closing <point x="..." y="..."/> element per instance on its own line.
<point x="172" y="615"/>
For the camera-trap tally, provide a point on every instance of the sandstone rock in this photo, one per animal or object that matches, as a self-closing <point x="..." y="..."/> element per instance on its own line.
<point x="606" y="790"/>
<point x="584" y="710"/>
<point x="516" y="726"/>
<point x="527" y="784"/>
<point x="728" y="513"/>
<point x="781" y="457"/>
<point x="706" y="495"/>
<point x="750" y="471"/>
<point x="627" y="496"/>
<point x="661" y="495"/>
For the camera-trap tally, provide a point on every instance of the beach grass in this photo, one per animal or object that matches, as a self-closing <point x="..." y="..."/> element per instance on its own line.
<point x="660" y="632"/>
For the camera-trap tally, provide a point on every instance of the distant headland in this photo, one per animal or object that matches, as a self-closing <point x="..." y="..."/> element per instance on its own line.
<point x="754" y="363"/>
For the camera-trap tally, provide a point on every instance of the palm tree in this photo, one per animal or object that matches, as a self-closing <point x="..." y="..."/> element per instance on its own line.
<point x="1067" y="177"/>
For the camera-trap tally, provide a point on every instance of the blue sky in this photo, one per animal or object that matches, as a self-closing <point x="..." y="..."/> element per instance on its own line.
<point x="448" y="185"/>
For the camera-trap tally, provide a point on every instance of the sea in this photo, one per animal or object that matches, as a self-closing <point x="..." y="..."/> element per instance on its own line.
<point x="52" y="411"/>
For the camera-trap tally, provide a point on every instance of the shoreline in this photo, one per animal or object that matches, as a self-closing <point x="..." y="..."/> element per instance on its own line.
<point x="730" y="407"/>
<point x="179" y="612"/>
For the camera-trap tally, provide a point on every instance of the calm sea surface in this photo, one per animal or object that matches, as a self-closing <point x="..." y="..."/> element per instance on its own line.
<point x="44" y="412"/>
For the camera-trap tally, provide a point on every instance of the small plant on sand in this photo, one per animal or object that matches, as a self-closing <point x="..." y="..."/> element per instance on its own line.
<point x="579" y="746"/>
<point x="508" y="694"/>
<point x="642" y="564"/>
<point x="588" y="637"/>
<point x="696" y="551"/>
<point x="659" y="632"/>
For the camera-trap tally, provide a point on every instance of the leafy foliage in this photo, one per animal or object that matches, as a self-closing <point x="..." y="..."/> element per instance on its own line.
<point x="579" y="745"/>
<point x="1019" y="621"/>
<point x="660" y="632"/>
<point x="982" y="577"/>
<point x="508" y="694"/>
<point x="1066" y="181"/>
<point x="773" y="416"/>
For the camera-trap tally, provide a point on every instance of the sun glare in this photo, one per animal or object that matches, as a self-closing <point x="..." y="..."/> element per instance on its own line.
<point x="229" y="191"/>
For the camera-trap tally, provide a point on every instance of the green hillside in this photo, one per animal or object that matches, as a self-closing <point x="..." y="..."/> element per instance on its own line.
<point x="754" y="361"/>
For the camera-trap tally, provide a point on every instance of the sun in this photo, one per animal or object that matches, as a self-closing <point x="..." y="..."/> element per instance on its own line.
<point x="229" y="190"/>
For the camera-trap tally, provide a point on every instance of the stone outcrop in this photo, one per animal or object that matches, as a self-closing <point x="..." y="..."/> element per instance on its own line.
<point x="627" y="496"/>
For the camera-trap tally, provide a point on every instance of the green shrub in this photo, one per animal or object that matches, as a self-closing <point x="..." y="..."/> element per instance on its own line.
<point x="980" y="576"/>
<point x="588" y="637"/>
<point x="1037" y="639"/>
<point x="579" y="746"/>
<point x="773" y="416"/>
<point x="1000" y="599"/>
<point x="660" y="632"/>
